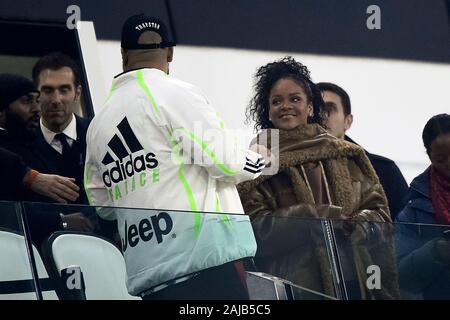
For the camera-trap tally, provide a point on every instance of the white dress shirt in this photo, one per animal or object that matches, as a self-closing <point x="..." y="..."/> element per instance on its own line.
<point x="70" y="131"/>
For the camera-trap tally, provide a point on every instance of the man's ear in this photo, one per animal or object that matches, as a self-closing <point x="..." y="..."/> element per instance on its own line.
<point x="77" y="92"/>
<point x="170" y="54"/>
<point x="348" y="121"/>
<point x="124" y="58"/>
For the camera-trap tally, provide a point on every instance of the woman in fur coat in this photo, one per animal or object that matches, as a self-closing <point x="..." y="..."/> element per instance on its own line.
<point x="319" y="177"/>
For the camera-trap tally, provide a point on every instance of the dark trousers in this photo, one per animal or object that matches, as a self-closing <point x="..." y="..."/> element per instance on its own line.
<point x="224" y="282"/>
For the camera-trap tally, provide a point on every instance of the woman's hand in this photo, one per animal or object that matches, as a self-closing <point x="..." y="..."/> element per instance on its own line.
<point x="262" y="150"/>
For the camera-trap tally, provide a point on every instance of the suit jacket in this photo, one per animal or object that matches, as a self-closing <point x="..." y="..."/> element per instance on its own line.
<point x="41" y="223"/>
<point x="42" y="157"/>
<point x="392" y="180"/>
<point x="39" y="155"/>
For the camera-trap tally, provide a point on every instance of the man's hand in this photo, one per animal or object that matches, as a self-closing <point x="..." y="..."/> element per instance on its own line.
<point x="77" y="222"/>
<point x="61" y="189"/>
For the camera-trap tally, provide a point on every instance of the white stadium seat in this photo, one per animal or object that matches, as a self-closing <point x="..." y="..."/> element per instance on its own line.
<point x="101" y="263"/>
<point x="15" y="269"/>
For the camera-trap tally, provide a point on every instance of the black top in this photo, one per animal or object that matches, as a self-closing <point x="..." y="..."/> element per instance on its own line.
<point x="44" y="158"/>
<point x="12" y="172"/>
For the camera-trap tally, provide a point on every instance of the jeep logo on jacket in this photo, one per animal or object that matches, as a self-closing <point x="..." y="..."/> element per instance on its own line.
<point x="158" y="225"/>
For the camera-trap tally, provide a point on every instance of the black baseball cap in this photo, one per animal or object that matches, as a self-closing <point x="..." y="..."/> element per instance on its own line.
<point x="136" y="25"/>
<point x="12" y="87"/>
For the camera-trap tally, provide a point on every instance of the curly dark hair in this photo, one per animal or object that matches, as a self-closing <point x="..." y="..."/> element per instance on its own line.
<point x="267" y="76"/>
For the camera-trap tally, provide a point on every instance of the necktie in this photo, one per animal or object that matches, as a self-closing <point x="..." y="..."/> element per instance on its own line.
<point x="65" y="145"/>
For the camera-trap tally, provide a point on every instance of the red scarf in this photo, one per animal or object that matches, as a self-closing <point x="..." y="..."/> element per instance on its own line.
<point x="440" y="196"/>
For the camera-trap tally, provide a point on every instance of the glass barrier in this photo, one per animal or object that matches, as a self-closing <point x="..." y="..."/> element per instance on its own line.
<point x="45" y="219"/>
<point x="263" y="286"/>
<point x="296" y="250"/>
<point x="393" y="261"/>
<point x="10" y="217"/>
<point x="84" y="250"/>
<point x="366" y="259"/>
<point x="423" y="257"/>
<point x="17" y="271"/>
<point x="87" y="256"/>
<point x="300" y="293"/>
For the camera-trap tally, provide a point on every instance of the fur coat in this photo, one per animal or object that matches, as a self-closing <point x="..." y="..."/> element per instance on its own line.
<point x="287" y="220"/>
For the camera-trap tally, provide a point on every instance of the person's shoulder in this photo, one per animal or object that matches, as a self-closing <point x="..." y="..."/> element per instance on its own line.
<point x="380" y="159"/>
<point x="385" y="166"/>
<point x="178" y="89"/>
<point x="186" y="87"/>
<point x="83" y="122"/>
<point x="178" y="82"/>
<point x="160" y="78"/>
<point x="418" y="209"/>
<point x="371" y="156"/>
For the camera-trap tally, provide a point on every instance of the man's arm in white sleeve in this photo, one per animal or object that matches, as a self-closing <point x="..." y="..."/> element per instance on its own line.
<point x="204" y="141"/>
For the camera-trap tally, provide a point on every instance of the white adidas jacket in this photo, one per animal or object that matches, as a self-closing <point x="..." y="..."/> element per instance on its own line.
<point x="158" y="144"/>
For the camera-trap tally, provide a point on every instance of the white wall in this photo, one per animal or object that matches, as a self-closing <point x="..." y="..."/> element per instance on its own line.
<point x="391" y="99"/>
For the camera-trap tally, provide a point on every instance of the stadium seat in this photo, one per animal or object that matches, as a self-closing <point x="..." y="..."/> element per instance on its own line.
<point x="101" y="263"/>
<point x="16" y="279"/>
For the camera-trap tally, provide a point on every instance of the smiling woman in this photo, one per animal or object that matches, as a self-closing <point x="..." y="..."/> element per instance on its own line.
<point x="320" y="176"/>
<point x="280" y="87"/>
<point x="289" y="106"/>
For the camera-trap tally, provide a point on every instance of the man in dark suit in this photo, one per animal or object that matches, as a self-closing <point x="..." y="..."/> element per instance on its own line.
<point x="60" y="145"/>
<point x="19" y="124"/>
<point x="338" y="120"/>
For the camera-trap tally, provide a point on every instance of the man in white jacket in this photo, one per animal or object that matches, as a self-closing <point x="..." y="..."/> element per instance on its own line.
<point x="159" y="146"/>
